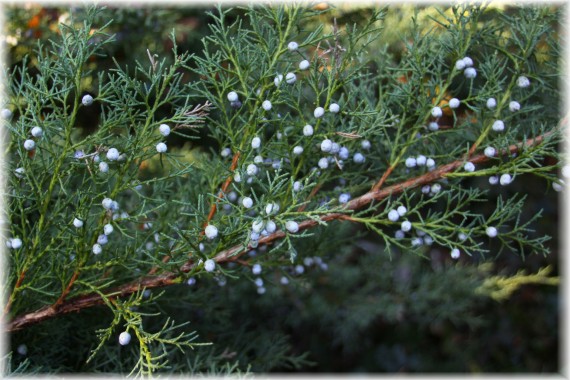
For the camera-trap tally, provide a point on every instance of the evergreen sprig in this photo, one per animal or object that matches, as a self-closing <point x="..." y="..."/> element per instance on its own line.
<point x="102" y="217"/>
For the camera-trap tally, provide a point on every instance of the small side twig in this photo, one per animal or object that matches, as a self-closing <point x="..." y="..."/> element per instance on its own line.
<point x="67" y="289"/>
<point x="311" y="195"/>
<point x="197" y="115"/>
<point x="16" y="286"/>
<point x="384" y="177"/>
<point x="151" y="58"/>
<point x="225" y="186"/>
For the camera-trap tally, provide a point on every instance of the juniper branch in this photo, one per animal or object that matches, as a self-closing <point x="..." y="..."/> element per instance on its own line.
<point x="232" y="254"/>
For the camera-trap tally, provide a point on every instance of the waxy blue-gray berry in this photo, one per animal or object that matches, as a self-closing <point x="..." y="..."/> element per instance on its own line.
<point x="319" y="112"/>
<point x="292" y="226"/>
<point x="211" y="231"/>
<point x="209" y="265"/>
<point x="87" y="100"/>
<point x="124" y="338"/>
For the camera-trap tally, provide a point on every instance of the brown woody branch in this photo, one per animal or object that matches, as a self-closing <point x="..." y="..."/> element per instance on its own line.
<point x="169" y="278"/>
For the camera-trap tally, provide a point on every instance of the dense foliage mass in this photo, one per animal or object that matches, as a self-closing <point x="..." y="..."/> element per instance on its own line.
<point x="308" y="190"/>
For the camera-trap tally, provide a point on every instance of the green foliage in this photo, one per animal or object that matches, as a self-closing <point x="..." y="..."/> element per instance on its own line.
<point x="500" y="288"/>
<point x="143" y="210"/>
<point x="65" y="162"/>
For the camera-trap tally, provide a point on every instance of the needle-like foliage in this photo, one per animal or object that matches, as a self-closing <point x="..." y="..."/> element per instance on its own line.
<point x="256" y="161"/>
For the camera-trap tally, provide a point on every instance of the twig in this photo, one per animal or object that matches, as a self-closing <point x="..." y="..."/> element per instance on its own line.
<point x="311" y="195"/>
<point x="379" y="184"/>
<point x="151" y="58"/>
<point x="232" y="254"/>
<point x="225" y="186"/>
<point x="67" y="289"/>
<point x="213" y="207"/>
<point x="348" y="135"/>
<point x="197" y="115"/>
<point x="16" y="286"/>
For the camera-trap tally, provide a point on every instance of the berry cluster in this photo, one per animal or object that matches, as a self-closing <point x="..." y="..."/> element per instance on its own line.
<point x="253" y="167"/>
<point x="466" y="64"/>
